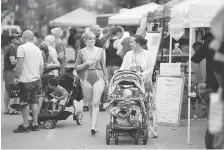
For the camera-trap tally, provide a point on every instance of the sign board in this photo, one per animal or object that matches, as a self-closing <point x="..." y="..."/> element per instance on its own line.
<point x="170" y="69"/>
<point x="169" y="94"/>
<point x="154" y="39"/>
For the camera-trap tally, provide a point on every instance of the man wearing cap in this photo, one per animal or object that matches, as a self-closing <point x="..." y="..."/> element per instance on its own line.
<point x="29" y="69"/>
<point x="59" y="46"/>
<point x="8" y="71"/>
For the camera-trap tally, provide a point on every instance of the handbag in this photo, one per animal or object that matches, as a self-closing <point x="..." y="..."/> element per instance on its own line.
<point x="14" y="90"/>
<point x="77" y="94"/>
<point x="14" y="94"/>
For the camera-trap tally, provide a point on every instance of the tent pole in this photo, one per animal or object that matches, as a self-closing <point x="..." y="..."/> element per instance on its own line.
<point x="164" y="21"/>
<point x="170" y="51"/>
<point x="191" y="40"/>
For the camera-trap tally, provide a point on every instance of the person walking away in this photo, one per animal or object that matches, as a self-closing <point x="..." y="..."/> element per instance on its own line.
<point x="10" y="60"/>
<point x="91" y="64"/>
<point x="60" y="47"/>
<point x="140" y="60"/>
<point x="29" y="69"/>
<point x="113" y="61"/>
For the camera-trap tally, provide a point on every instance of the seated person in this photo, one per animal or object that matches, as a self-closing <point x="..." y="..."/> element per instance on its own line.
<point x="58" y="94"/>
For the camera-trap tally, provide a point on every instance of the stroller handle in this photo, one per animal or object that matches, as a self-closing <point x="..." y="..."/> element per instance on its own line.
<point x="51" y="69"/>
<point x="127" y="99"/>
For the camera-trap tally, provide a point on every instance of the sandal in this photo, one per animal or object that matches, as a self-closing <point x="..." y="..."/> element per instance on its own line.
<point x="6" y="112"/>
<point x="13" y="112"/>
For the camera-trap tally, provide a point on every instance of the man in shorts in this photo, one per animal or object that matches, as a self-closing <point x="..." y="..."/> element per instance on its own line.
<point x="29" y="68"/>
<point x="8" y="71"/>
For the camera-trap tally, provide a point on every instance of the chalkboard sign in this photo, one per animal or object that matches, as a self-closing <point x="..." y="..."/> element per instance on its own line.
<point x="169" y="94"/>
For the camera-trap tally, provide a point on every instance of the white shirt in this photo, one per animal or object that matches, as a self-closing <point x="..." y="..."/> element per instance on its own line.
<point x="145" y="62"/>
<point x="32" y="61"/>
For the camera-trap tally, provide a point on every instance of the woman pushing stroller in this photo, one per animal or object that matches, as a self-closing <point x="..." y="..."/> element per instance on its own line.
<point x="139" y="60"/>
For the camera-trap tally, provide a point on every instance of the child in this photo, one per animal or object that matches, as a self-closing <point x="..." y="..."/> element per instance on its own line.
<point x="58" y="94"/>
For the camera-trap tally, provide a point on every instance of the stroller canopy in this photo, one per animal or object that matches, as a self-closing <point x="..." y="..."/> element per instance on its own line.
<point x="128" y="76"/>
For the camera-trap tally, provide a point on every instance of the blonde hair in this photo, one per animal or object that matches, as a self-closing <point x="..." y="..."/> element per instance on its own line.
<point x="86" y="35"/>
<point x="57" y="32"/>
<point x="50" y="40"/>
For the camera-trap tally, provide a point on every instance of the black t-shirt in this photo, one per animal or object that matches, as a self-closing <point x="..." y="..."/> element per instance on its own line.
<point x="112" y="59"/>
<point x="205" y="52"/>
<point x="98" y="43"/>
<point x="10" y="50"/>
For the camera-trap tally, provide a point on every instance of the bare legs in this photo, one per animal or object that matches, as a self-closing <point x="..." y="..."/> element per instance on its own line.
<point x="87" y="90"/>
<point x="93" y="95"/>
<point x="98" y="89"/>
<point x="6" y="100"/>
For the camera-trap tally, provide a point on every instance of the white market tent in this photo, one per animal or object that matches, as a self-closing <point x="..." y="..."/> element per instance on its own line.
<point x="195" y="13"/>
<point x="192" y="14"/>
<point x="132" y="16"/>
<point x="79" y="17"/>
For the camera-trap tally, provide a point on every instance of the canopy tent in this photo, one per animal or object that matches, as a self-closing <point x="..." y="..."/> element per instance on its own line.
<point x="192" y="14"/>
<point x="132" y="16"/>
<point x="164" y="10"/>
<point x="79" y="17"/>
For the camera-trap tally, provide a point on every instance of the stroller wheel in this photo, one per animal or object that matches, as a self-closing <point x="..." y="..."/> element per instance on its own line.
<point x="108" y="134"/>
<point x="50" y="124"/>
<point x="116" y="138"/>
<point x="144" y="125"/>
<point x="79" y="118"/>
<point x="145" y="136"/>
<point x="136" y="137"/>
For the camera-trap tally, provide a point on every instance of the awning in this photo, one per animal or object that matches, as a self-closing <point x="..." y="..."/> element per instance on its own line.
<point x="164" y="10"/>
<point x="132" y="16"/>
<point x="195" y="13"/>
<point x="79" y="17"/>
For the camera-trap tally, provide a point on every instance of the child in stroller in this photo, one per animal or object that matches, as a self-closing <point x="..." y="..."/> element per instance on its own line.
<point x="127" y="107"/>
<point x="69" y="87"/>
<point x="59" y="95"/>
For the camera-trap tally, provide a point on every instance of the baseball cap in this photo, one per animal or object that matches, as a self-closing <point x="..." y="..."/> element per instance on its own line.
<point x="13" y="36"/>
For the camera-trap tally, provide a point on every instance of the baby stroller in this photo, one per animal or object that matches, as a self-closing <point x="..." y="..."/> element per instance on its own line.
<point x="49" y="119"/>
<point x="127" y="111"/>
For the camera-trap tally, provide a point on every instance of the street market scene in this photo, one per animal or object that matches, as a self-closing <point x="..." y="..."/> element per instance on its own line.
<point x="112" y="74"/>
